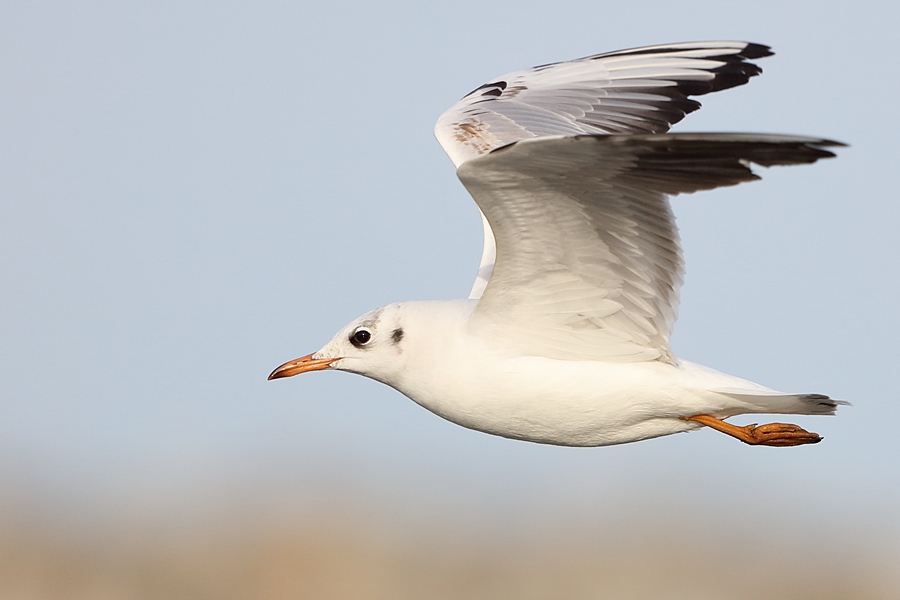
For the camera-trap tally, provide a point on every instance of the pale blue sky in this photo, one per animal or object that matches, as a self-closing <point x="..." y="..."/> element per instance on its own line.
<point x="193" y="193"/>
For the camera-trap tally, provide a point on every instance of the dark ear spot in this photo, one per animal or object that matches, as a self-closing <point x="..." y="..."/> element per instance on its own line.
<point x="397" y="335"/>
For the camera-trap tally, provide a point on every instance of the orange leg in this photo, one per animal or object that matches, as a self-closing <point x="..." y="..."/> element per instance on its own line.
<point x="772" y="434"/>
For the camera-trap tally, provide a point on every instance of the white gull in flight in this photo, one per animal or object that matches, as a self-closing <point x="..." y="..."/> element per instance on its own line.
<point x="565" y="336"/>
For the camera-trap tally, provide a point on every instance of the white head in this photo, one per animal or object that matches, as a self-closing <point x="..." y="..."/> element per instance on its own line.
<point x="372" y="345"/>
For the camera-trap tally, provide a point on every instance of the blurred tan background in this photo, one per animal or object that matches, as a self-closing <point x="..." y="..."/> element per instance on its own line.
<point x="333" y="553"/>
<point x="313" y="536"/>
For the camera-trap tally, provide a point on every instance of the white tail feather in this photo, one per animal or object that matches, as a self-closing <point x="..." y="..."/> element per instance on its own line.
<point x="768" y="401"/>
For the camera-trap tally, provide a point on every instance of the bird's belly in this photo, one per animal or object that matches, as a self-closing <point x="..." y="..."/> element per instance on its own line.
<point x="566" y="403"/>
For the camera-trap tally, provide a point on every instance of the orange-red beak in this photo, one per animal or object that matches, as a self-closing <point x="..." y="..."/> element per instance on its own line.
<point x="301" y="365"/>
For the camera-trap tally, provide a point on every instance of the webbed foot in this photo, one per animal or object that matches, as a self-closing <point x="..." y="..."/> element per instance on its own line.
<point x="771" y="434"/>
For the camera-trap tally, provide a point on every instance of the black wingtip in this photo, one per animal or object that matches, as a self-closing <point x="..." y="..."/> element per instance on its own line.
<point x="756" y="51"/>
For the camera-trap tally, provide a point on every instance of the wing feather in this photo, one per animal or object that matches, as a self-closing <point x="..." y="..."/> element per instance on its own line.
<point x="642" y="90"/>
<point x="636" y="91"/>
<point x="588" y="260"/>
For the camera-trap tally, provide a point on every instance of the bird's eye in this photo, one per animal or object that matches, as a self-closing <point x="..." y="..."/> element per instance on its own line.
<point x="360" y="337"/>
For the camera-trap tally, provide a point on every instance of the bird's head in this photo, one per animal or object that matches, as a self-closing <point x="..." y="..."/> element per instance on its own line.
<point x="372" y="345"/>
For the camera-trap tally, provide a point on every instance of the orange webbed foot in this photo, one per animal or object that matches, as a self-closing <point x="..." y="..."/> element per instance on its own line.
<point x="770" y="434"/>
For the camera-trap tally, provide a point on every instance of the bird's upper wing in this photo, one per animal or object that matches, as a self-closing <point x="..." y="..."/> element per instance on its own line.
<point x="642" y="90"/>
<point x="637" y="91"/>
<point x="588" y="263"/>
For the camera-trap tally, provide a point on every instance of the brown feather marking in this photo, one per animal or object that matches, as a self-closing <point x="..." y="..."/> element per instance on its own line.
<point x="474" y="133"/>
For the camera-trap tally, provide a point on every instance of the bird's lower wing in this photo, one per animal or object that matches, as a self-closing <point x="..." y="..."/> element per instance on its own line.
<point x="588" y="261"/>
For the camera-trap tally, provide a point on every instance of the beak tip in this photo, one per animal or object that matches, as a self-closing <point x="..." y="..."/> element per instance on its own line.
<point x="276" y="374"/>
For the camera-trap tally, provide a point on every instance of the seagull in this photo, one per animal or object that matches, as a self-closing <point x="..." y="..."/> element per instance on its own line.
<point x="564" y="338"/>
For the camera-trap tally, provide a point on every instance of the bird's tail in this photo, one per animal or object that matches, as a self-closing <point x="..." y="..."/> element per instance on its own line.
<point x="769" y="401"/>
